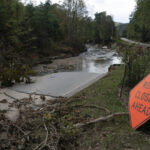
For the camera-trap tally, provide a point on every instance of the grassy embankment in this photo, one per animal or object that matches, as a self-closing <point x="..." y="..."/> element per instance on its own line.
<point x="54" y="123"/>
<point x="115" y="134"/>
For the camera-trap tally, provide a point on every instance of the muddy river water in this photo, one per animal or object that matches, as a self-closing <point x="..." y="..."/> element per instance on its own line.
<point x="97" y="60"/>
<point x="94" y="60"/>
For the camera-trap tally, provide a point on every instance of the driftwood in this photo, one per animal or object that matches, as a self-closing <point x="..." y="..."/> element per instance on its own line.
<point x="111" y="116"/>
<point x="43" y="143"/>
<point x="53" y="139"/>
<point x="46" y="133"/>
<point x="53" y="143"/>
<point x="11" y="96"/>
<point x="19" y="129"/>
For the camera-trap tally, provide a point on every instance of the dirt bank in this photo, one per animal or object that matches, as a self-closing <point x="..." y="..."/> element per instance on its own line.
<point x="66" y="64"/>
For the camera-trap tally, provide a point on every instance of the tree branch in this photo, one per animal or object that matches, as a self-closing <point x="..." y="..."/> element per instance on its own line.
<point x="111" y="116"/>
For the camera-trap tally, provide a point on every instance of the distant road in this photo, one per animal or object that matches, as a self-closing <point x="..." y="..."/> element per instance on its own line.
<point x="134" y="42"/>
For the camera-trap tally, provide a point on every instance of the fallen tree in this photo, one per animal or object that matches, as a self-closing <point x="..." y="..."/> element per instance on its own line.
<point x="52" y="126"/>
<point x="105" y="118"/>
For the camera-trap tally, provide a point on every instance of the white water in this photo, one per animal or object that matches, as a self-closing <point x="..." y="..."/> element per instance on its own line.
<point x="97" y="60"/>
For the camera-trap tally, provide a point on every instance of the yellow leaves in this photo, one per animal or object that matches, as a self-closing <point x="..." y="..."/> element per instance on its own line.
<point x="48" y="116"/>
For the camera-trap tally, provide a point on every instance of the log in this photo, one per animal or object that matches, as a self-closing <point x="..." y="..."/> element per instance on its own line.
<point x="111" y="116"/>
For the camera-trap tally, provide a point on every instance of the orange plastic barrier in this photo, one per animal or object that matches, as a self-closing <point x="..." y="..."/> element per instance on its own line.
<point x="139" y="103"/>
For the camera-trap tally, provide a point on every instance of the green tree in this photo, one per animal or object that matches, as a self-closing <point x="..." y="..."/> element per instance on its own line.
<point x="11" y="13"/>
<point x="104" y="28"/>
<point x="76" y="10"/>
<point x="139" y="27"/>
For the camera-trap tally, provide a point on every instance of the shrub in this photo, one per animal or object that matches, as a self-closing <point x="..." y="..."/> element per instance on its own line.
<point x="137" y="60"/>
<point x="14" y="73"/>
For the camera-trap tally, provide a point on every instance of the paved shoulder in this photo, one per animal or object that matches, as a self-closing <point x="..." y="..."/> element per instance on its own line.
<point x="63" y="84"/>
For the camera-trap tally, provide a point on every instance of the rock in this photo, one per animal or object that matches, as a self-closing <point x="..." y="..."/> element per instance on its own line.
<point x="3" y="136"/>
<point x="113" y="67"/>
<point x="115" y="54"/>
<point x="42" y="97"/>
<point x="45" y="67"/>
<point x="127" y="145"/>
<point x="3" y="101"/>
<point x="21" y="147"/>
<point x="45" y="61"/>
<point x="12" y="114"/>
<point x="104" y="47"/>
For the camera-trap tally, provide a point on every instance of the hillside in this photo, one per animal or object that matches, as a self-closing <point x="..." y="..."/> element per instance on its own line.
<point x="122" y="29"/>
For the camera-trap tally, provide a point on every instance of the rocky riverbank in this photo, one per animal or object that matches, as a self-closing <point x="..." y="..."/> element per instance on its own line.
<point x="97" y="59"/>
<point x="65" y="64"/>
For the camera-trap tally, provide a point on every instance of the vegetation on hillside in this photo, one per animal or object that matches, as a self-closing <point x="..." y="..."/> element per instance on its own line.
<point x="122" y="29"/>
<point x="139" y="27"/>
<point x="29" y="33"/>
<point x="48" y="27"/>
<point x="136" y="59"/>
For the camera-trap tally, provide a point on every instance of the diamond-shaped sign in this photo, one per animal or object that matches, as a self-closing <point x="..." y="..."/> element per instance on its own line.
<point x="139" y="103"/>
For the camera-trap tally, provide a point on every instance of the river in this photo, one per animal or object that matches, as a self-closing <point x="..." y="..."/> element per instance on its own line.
<point x="89" y="67"/>
<point x="94" y="60"/>
<point x="97" y="60"/>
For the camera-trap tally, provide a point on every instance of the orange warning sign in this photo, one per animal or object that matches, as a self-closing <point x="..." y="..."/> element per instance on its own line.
<point x="139" y="103"/>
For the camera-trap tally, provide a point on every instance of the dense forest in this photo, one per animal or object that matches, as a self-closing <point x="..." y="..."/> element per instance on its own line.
<point x="31" y="32"/>
<point x="49" y="29"/>
<point x="139" y="27"/>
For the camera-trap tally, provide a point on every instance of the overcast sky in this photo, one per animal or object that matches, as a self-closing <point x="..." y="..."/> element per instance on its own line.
<point x="119" y="9"/>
